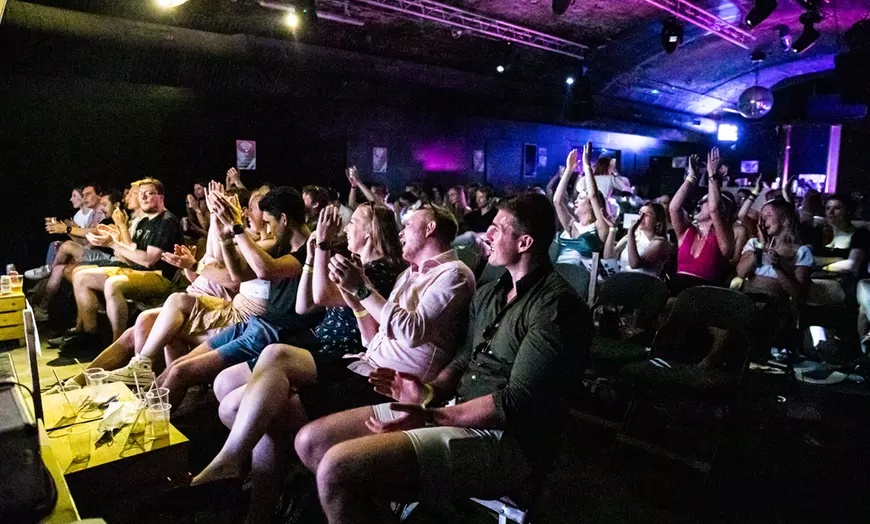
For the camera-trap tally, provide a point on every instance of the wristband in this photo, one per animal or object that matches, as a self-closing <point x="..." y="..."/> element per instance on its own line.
<point x="430" y="394"/>
<point x="691" y="179"/>
<point x="306" y="268"/>
<point x="361" y="314"/>
<point x="227" y="242"/>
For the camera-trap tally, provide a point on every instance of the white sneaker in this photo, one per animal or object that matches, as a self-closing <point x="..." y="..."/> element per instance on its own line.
<point x="138" y="368"/>
<point x="37" y="273"/>
<point x="40" y="315"/>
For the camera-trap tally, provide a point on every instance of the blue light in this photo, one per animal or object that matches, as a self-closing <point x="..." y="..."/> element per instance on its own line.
<point x="569" y="80"/>
<point x="728" y="133"/>
<point x="654" y="91"/>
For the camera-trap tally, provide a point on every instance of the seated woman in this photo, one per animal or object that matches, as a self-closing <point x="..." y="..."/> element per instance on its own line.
<point x="269" y="404"/>
<point x="588" y="226"/>
<point x="841" y="255"/>
<point x="645" y="248"/>
<point x="705" y="249"/>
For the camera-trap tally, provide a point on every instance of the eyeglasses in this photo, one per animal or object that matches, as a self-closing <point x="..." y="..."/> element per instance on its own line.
<point x="488" y="335"/>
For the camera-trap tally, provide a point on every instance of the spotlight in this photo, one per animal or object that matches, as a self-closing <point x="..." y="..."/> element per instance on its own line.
<point x="672" y="35"/>
<point x="499" y="69"/>
<point x="810" y="35"/>
<point x="569" y="80"/>
<point x="785" y="38"/>
<point x="291" y="19"/>
<point x="307" y="11"/>
<point x="759" y="13"/>
<point x="560" y="6"/>
<point x="169" y="4"/>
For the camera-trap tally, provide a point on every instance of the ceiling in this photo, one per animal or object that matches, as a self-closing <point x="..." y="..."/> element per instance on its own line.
<point x="624" y="59"/>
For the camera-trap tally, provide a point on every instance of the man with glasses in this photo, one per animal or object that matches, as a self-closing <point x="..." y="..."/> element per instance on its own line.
<point x="142" y="274"/>
<point x="527" y="339"/>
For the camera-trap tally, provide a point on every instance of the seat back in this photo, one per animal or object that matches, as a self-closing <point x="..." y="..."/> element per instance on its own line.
<point x="645" y="294"/>
<point x="33" y="350"/>
<point x="685" y="336"/>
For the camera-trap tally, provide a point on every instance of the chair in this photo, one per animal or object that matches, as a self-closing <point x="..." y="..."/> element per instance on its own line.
<point x="642" y="294"/>
<point x="680" y="345"/>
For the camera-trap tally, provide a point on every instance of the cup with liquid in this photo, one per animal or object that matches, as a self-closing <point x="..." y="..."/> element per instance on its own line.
<point x="16" y="283"/>
<point x="5" y="285"/>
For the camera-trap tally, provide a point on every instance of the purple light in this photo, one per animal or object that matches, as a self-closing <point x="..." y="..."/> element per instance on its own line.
<point x="443" y="156"/>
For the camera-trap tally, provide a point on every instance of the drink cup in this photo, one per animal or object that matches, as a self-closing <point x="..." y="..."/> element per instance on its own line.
<point x="157" y="396"/>
<point x="79" y="438"/>
<point x="5" y="285"/>
<point x="158" y="420"/>
<point x="96" y="376"/>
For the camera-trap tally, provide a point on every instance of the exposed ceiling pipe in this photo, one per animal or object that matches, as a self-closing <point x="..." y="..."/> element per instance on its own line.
<point x="705" y="20"/>
<point x="477" y="24"/>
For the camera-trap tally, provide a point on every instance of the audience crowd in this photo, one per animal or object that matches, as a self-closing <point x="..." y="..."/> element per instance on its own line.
<point x="420" y="346"/>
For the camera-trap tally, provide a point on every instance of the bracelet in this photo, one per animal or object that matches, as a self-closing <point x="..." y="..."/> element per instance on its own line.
<point x="227" y="242"/>
<point x="430" y="394"/>
<point x="752" y="194"/>
<point x="306" y="268"/>
<point x="361" y="314"/>
<point x="691" y="179"/>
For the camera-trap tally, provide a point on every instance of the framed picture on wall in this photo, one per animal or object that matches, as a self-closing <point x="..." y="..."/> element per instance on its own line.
<point x="542" y="157"/>
<point x="478" y="161"/>
<point x="530" y="160"/>
<point x="246" y="155"/>
<point x="379" y="160"/>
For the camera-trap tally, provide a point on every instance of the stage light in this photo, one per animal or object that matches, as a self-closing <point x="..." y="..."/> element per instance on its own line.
<point x="569" y="80"/>
<point x="291" y="20"/>
<point x="560" y="6"/>
<point x="672" y="35"/>
<point x="810" y="35"/>
<point x="785" y="38"/>
<point x="727" y="133"/>
<point x="499" y="69"/>
<point x="760" y="12"/>
<point x="169" y="4"/>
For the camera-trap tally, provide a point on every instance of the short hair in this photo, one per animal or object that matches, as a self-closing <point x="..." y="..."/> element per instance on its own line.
<point x="286" y="201"/>
<point x="97" y="189"/>
<point x="318" y="195"/>
<point x="409" y="197"/>
<point x="847" y="201"/>
<point x="445" y="223"/>
<point x="534" y="215"/>
<point x="485" y="189"/>
<point x="333" y="194"/>
<point x="153" y="182"/>
<point x="116" y="196"/>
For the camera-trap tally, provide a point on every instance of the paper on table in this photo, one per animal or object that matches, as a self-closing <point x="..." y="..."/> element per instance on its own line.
<point x="117" y="415"/>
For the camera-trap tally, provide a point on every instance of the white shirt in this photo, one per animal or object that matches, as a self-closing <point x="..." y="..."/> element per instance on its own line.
<point x="423" y="320"/>
<point x="643" y="244"/>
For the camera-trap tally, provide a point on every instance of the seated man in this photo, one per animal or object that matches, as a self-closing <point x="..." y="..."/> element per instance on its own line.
<point x="528" y="336"/>
<point x="145" y="276"/>
<point x="71" y="254"/>
<point x="284" y="212"/>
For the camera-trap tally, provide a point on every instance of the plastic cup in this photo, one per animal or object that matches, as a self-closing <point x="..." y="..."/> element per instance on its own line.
<point x="70" y="400"/>
<point x="140" y="423"/>
<point x="79" y="438"/>
<point x="16" y="283"/>
<point x="158" y="420"/>
<point x="96" y="376"/>
<point x="157" y="396"/>
<point x="5" y="285"/>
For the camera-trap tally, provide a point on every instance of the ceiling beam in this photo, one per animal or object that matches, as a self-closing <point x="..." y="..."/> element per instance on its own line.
<point x="478" y="24"/>
<point x="705" y="20"/>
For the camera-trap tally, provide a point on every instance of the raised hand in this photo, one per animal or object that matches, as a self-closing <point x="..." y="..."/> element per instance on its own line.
<point x="120" y="218"/>
<point x="402" y="387"/>
<point x="693" y="166"/>
<point x="587" y="153"/>
<point x="352" y="176"/>
<point x="328" y="224"/>
<point x="636" y="224"/>
<point x="234" y="178"/>
<point x="412" y="416"/>
<point x="571" y="162"/>
<point x="713" y="163"/>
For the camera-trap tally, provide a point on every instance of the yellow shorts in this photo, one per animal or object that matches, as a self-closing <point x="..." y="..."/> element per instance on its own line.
<point x="141" y="284"/>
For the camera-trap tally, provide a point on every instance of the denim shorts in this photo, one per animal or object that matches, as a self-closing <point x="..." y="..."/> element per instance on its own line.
<point x="243" y="342"/>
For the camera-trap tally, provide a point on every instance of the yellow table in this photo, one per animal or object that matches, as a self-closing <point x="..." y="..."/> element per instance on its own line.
<point x="65" y="510"/>
<point x="11" y="319"/>
<point x="123" y="465"/>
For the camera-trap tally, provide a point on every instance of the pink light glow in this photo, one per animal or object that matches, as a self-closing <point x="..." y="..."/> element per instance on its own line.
<point x="443" y="156"/>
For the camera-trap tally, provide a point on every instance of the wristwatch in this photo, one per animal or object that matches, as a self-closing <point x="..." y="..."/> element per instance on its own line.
<point x="238" y="229"/>
<point x="363" y="292"/>
<point x="68" y="230"/>
<point x="430" y="418"/>
<point x="323" y="246"/>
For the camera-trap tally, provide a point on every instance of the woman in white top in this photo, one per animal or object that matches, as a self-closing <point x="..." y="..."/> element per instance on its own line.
<point x="644" y="249"/>
<point x="587" y="226"/>
<point x="775" y="263"/>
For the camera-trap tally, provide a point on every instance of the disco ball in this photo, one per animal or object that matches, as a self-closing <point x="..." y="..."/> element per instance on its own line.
<point x="755" y="102"/>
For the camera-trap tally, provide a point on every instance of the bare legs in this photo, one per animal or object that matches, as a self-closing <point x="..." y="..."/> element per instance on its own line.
<point x="86" y="284"/>
<point x="267" y="395"/>
<point x="174" y="312"/>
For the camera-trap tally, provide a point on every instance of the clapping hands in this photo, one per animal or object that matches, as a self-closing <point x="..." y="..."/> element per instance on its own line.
<point x="328" y="224"/>
<point x="352" y="176"/>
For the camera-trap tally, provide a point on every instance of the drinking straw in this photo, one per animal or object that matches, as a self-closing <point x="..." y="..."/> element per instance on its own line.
<point x="62" y="390"/>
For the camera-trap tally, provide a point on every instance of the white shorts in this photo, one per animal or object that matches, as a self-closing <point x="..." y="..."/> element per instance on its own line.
<point x="464" y="462"/>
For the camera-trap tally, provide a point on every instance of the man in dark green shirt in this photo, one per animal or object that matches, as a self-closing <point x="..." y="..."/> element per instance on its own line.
<point x="528" y="336"/>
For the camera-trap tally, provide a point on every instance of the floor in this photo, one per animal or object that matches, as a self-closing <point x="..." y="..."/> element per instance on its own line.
<point x="798" y="455"/>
